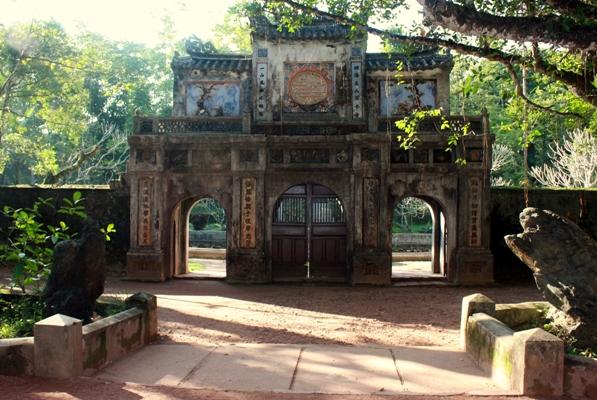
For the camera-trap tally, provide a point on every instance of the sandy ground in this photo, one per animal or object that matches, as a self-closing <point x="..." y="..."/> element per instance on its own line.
<point x="215" y="312"/>
<point x="96" y="389"/>
<point x="192" y="311"/>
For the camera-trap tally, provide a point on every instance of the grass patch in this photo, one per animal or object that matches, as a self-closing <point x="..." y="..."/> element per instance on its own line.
<point x="195" y="266"/>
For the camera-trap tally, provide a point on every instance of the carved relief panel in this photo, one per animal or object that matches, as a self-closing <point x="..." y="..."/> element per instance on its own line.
<point x="247" y="213"/>
<point x="309" y="87"/>
<point x="144" y="217"/>
<point x="370" y="211"/>
<point x="474" y="206"/>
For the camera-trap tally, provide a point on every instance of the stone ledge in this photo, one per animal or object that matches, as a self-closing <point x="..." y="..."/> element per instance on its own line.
<point x="16" y="356"/>
<point x="531" y="361"/>
<point x="62" y="348"/>
<point x="580" y="377"/>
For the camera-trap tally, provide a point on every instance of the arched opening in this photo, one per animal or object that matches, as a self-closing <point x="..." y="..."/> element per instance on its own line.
<point x="419" y="239"/>
<point x="206" y="240"/>
<point x="309" y="235"/>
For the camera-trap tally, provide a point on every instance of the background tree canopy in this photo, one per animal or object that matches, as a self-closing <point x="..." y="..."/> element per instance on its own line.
<point x="67" y="101"/>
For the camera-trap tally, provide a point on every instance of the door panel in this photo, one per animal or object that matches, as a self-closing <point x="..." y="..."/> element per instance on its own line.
<point x="309" y="226"/>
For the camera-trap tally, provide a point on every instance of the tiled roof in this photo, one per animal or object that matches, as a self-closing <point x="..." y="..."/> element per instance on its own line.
<point x="218" y="62"/>
<point x="318" y="30"/>
<point x="418" y="61"/>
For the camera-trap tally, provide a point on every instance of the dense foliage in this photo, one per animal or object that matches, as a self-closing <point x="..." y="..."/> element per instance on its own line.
<point x="29" y="246"/>
<point x="67" y="101"/>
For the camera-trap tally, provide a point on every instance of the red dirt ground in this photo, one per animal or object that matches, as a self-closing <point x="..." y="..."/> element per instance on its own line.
<point x="214" y="312"/>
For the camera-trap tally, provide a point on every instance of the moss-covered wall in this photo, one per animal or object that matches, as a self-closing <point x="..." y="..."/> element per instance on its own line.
<point x="506" y="204"/>
<point x="102" y="203"/>
<point x="112" y="206"/>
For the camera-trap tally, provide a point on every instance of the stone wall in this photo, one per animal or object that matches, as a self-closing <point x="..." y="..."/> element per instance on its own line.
<point x="579" y="206"/>
<point x="102" y="203"/>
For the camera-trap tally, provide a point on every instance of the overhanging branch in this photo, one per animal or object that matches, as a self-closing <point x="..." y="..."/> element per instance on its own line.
<point x="578" y="83"/>
<point x="551" y="29"/>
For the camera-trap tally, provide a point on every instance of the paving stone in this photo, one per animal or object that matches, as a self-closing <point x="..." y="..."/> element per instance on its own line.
<point x="346" y="369"/>
<point x="157" y="364"/>
<point x="247" y="367"/>
<point x="441" y="370"/>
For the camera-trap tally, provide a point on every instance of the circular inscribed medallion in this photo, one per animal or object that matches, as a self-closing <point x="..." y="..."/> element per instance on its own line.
<point x="307" y="88"/>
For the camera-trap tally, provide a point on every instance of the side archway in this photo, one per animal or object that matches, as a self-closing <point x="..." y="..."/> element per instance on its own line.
<point x="185" y="238"/>
<point x="418" y="238"/>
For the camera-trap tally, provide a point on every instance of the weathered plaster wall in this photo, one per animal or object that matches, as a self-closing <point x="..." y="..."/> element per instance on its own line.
<point x="280" y="52"/>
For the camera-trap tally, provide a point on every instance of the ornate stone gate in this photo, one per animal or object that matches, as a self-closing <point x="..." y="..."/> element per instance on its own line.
<point x="307" y="109"/>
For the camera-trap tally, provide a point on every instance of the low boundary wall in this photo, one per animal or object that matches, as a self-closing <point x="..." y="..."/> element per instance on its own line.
<point x="531" y="361"/>
<point x="62" y="348"/>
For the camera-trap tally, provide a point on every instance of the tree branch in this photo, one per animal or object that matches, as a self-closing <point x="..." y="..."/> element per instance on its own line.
<point x="578" y="83"/>
<point x="520" y="93"/>
<point x="550" y="29"/>
<point x="575" y="8"/>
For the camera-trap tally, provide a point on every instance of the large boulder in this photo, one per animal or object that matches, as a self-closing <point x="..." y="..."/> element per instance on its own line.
<point x="78" y="275"/>
<point x="563" y="259"/>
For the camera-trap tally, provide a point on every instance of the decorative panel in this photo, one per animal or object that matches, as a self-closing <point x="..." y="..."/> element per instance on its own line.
<point x="309" y="87"/>
<point x="370" y="211"/>
<point x="399" y="156"/>
<point x="305" y="156"/>
<point x="247" y="214"/>
<point x="441" y="156"/>
<point x="421" y="156"/>
<point x="213" y="99"/>
<point x="144" y="231"/>
<point x="368" y="154"/>
<point x="404" y="98"/>
<point x="474" y="154"/>
<point x="357" y="90"/>
<point x="261" y="90"/>
<point x="276" y="156"/>
<point x="213" y="158"/>
<point x="248" y="156"/>
<point x="177" y="158"/>
<point x="474" y="206"/>
<point x="145" y="156"/>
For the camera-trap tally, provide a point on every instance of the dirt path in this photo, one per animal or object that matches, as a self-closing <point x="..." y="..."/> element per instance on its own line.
<point x="211" y="312"/>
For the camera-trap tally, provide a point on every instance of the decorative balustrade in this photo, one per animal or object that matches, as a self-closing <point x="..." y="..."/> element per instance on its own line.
<point x="193" y="125"/>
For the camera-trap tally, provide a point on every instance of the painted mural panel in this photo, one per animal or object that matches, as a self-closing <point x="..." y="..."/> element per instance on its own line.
<point x="213" y="99"/>
<point x="403" y="98"/>
<point x="309" y="87"/>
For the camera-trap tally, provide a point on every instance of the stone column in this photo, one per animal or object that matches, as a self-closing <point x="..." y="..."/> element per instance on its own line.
<point x="58" y="347"/>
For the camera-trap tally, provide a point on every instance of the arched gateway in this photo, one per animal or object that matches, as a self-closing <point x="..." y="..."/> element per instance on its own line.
<point x="297" y="143"/>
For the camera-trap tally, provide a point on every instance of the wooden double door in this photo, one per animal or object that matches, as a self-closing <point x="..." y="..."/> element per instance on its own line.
<point x="309" y="235"/>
